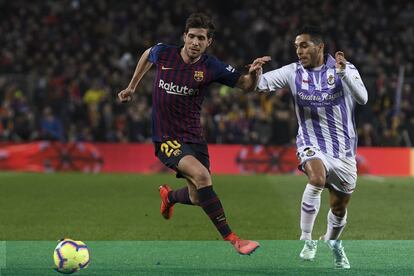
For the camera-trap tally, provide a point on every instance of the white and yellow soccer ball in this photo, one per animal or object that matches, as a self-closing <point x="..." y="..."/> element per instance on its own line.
<point x="71" y="256"/>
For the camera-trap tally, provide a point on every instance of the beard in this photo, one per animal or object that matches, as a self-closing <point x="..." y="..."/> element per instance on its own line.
<point x="193" y="54"/>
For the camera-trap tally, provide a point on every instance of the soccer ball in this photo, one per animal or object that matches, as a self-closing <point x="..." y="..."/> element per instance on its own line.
<point x="71" y="256"/>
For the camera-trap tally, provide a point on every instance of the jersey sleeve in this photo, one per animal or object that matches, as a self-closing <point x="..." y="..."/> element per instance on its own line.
<point x="276" y="79"/>
<point x="354" y="85"/>
<point x="155" y="52"/>
<point x="224" y="73"/>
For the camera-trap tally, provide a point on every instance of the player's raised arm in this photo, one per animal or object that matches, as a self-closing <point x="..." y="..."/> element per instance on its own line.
<point x="351" y="79"/>
<point x="142" y="67"/>
<point x="248" y="82"/>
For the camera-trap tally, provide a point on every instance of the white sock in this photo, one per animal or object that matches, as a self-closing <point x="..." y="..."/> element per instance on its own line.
<point x="335" y="226"/>
<point x="311" y="201"/>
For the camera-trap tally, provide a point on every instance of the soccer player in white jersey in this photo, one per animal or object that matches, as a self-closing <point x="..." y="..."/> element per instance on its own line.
<point x="325" y="91"/>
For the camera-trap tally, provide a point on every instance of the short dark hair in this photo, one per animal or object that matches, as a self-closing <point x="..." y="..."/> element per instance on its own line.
<point x="314" y="32"/>
<point x="200" y="20"/>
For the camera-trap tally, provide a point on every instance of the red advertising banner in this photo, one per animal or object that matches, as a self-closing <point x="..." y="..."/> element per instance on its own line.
<point x="129" y="158"/>
<point x="384" y="161"/>
<point x="252" y="159"/>
<point x="225" y="159"/>
<point x="50" y="156"/>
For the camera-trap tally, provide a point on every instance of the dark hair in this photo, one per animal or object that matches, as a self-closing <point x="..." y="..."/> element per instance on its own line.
<point x="314" y="32"/>
<point x="200" y="20"/>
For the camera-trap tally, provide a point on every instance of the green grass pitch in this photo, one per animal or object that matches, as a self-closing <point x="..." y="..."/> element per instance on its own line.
<point x="118" y="216"/>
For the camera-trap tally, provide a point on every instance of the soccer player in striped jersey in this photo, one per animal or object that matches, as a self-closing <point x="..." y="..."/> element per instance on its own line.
<point x="325" y="91"/>
<point x="183" y="75"/>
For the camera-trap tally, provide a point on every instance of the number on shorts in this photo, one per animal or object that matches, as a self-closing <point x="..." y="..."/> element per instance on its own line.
<point x="169" y="147"/>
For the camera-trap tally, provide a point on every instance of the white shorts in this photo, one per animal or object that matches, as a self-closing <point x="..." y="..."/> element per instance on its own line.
<point x="341" y="173"/>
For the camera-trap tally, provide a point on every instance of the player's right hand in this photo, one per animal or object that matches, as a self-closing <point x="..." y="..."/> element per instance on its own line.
<point x="125" y="95"/>
<point x="340" y="60"/>
<point x="256" y="65"/>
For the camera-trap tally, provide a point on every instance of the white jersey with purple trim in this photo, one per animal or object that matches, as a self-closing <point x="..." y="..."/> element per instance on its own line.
<point x="324" y="104"/>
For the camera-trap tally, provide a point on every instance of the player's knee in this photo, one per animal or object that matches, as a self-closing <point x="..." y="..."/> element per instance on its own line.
<point x="202" y="179"/>
<point x="317" y="180"/>
<point x="338" y="210"/>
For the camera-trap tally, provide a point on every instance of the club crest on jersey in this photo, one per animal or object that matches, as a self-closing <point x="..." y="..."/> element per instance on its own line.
<point x="310" y="153"/>
<point x="331" y="79"/>
<point x="198" y="75"/>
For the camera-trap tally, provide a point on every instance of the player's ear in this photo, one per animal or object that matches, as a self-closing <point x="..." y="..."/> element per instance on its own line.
<point x="321" y="47"/>
<point x="209" y="41"/>
<point x="184" y="36"/>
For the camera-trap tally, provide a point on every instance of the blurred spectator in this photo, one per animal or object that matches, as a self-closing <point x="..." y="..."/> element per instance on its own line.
<point x="6" y="121"/>
<point x="50" y="126"/>
<point x="261" y="129"/>
<point x="408" y="132"/>
<point x="24" y="127"/>
<point x="62" y="63"/>
<point x="367" y="136"/>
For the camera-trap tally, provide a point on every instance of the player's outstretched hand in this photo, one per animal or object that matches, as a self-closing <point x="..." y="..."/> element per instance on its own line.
<point x="340" y="60"/>
<point x="258" y="63"/>
<point x="125" y="95"/>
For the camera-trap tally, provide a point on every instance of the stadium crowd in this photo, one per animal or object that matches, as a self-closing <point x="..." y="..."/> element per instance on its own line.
<point x="63" y="62"/>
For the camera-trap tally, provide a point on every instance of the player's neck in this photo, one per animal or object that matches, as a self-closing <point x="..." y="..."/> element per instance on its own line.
<point x="317" y="68"/>
<point x="186" y="58"/>
<point x="319" y="63"/>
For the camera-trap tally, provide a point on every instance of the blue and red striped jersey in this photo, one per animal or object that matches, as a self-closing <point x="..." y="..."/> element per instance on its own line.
<point x="179" y="90"/>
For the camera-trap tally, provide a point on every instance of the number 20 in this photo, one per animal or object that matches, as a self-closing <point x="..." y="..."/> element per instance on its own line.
<point x="169" y="146"/>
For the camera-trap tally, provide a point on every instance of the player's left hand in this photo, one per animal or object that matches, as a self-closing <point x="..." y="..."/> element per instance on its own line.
<point x="340" y="60"/>
<point x="256" y="65"/>
<point x="125" y="95"/>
